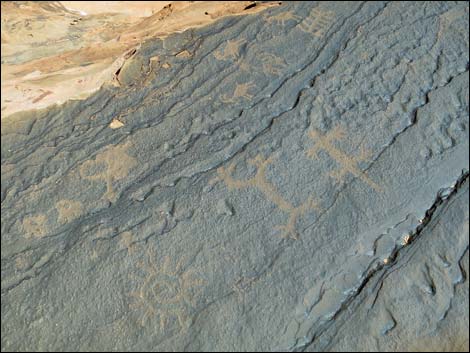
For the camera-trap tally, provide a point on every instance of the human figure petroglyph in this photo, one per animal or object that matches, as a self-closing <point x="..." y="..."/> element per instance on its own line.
<point x="241" y="91"/>
<point x="260" y="181"/>
<point x="349" y="164"/>
<point x="112" y="165"/>
<point x="231" y="50"/>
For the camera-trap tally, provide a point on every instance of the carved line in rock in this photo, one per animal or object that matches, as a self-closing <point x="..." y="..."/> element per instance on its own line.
<point x="35" y="226"/>
<point x="318" y="22"/>
<point x="270" y="64"/>
<point x="168" y="292"/>
<point x="348" y="164"/>
<point x="68" y="210"/>
<point x="259" y="181"/>
<point x="241" y="91"/>
<point x="230" y="51"/>
<point x="112" y="165"/>
<point x="282" y="18"/>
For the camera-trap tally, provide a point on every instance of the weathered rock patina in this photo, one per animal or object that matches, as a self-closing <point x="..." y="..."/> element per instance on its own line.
<point x="295" y="179"/>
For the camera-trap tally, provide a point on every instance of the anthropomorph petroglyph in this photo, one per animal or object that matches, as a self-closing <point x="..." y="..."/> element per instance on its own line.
<point x="260" y="181"/>
<point x="111" y="165"/>
<point x="241" y="91"/>
<point x="348" y="164"/>
<point x="168" y="293"/>
<point x="230" y="51"/>
<point x="282" y="18"/>
<point x="317" y="22"/>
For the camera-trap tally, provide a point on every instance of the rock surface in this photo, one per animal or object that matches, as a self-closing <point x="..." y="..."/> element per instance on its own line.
<point x="56" y="51"/>
<point x="291" y="180"/>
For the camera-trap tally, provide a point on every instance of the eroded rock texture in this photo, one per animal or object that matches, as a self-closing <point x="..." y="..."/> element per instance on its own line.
<point x="291" y="180"/>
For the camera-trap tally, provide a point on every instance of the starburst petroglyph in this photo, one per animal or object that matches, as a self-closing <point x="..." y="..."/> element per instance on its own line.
<point x="230" y="51"/>
<point x="260" y="181"/>
<point x="169" y="292"/>
<point x="349" y="164"/>
<point x="111" y="165"/>
<point x="282" y="18"/>
<point x="317" y="22"/>
<point x="242" y="91"/>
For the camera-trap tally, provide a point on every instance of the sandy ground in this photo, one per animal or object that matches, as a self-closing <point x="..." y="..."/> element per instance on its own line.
<point x="56" y="51"/>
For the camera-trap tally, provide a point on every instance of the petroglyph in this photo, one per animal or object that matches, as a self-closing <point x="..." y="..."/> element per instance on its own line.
<point x="91" y="186"/>
<point x="68" y="210"/>
<point x="230" y="51"/>
<point x="126" y="241"/>
<point x="259" y="181"/>
<point x="282" y="18"/>
<point x="318" y="22"/>
<point x="243" y="65"/>
<point x="111" y="165"/>
<point x="35" y="226"/>
<point x="349" y="164"/>
<point x="24" y="260"/>
<point x="169" y="292"/>
<point x="241" y="92"/>
<point x="272" y="64"/>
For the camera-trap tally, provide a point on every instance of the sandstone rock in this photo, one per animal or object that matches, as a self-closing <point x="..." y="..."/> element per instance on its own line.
<point x="298" y="182"/>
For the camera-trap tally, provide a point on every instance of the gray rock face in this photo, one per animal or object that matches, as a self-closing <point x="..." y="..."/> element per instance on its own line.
<point x="297" y="180"/>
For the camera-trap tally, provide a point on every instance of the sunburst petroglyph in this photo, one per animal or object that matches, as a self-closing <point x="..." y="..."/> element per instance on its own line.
<point x="260" y="181"/>
<point x="348" y="164"/>
<point x="169" y="292"/>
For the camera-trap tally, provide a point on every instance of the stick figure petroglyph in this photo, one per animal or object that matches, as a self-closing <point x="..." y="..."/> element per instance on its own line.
<point x="282" y="18"/>
<point x="349" y="164"/>
<point x="111" y="165"/>
<point x="241" y="91"/>
<point x="230" y="51"/>
<point x="260" y="181"/>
